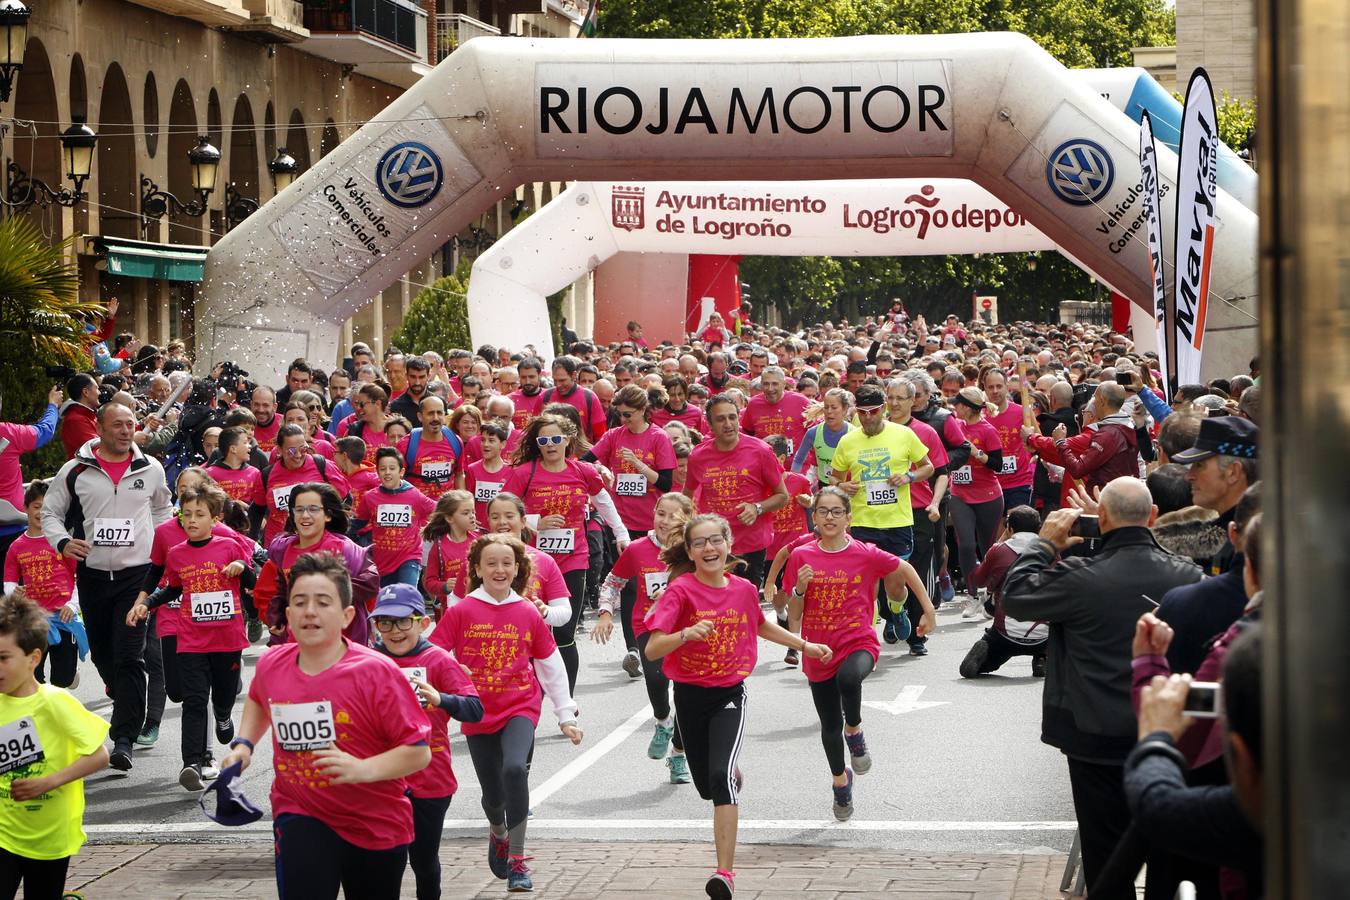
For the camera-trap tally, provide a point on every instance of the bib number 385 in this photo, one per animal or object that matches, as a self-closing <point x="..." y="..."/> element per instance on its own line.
<point x="303" y="726"/>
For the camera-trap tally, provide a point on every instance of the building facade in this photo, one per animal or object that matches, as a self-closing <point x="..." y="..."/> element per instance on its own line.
<point x="1221" y="36"/>
<point x="252" y="76"/>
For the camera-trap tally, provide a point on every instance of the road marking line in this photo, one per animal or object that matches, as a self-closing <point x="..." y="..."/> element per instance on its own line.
<point x="590" y="757"/>
<point x="151" y="828"/>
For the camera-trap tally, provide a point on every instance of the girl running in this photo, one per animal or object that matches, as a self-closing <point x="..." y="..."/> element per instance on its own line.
<point x="558" y="490"/>
<point x="546" y="589"/>
<point x="705" y="626"/>
<point x="833" y="601"/>
<point x="635" y="583"/>
<point x="448" y="535"/>
<point x="513" y="661"/>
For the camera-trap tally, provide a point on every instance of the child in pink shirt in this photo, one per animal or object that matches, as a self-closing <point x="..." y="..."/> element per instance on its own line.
<point x="48" y="578"/>
<point x="394" y="514"/>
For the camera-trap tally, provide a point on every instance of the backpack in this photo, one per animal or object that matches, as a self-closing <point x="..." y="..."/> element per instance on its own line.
<point x="319" y="463"/>
<point x="415" y="441"/>
<point x="585" y="413"/>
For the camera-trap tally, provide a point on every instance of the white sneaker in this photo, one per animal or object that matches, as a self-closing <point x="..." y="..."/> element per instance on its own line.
<point x="210" y="772"/>
<point x="972" y="609"/>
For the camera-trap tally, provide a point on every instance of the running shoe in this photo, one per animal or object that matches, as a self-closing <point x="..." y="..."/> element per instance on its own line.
<point x="255" y="630"/>
<point x="149" y="736"/>
<point x="633" y="666"/>
<point x="497" y="850"/>
<point x="224" y="730"/>
<point x="888" y="632"/>
<point x="903" y="627"/>
<point x="209" y="770"/>
<point x="120" y="758"/>
<point x="918" y="650"/>
<point x="1038" y="667"/>
<point x="975" y="660"/>
<point x="518" y="882"/>
<point x="972" y="609"/>
<point x="843" y="798"/>
<point x="660" y="741"/>
<point x="191" y="778"/>
<point x="792" y="659"/>
<point x="946" y="590"/>
<point x="722" y="885"/>
<point x="74" y="682"/>
<point x="857" y="749"/>
<point x="679" y="769"/>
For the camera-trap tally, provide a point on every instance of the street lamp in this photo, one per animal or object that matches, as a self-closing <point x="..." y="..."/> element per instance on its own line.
<point x="239" y="207"/>
<point x="77" y="149"/>
<point x="13" y="41"/>
<point x="155" y="204"/>
<point x="1032" y="258"/>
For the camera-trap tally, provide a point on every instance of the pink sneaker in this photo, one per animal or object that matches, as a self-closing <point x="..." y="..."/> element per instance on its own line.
<point x="721" y="885"/>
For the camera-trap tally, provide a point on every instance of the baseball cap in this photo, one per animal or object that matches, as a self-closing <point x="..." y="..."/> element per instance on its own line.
<point x="972" y="397"/>
<point x="224" y="802"/>
<point x="1227" y="435"/>
<point x="399" y="600"/>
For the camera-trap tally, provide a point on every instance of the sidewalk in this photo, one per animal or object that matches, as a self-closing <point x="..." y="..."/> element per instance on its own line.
<point x="594" y="871"/>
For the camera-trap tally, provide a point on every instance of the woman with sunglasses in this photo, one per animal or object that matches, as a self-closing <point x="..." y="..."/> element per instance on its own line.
<point x="642" y="458"/>
<point x="834" y="583"/>
<point x="558" y="490"/>
<point x="705" y="626"/>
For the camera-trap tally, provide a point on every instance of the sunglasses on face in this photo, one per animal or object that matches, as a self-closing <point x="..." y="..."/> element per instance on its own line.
<point x="870" y="410"/>
<point x="626" y="413"/>
<point x="545" y="439"/>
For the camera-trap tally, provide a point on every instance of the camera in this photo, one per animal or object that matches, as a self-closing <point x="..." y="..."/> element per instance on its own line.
<point x="1125" y="379"/>
<point x="59" y="373"/>
<point x="1202" y="700"/>
<point x="231" y="373"/>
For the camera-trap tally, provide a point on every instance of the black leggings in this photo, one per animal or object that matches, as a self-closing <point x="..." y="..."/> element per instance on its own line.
<point x="65" y="657"/>
<point x="501" y="761"/>
<point x="42" y="879"/>
<point x="976" y="526"/>
<point x="713" y="722"/>
<point x="838" y="700"/>
<point x="424" y="853"/>
<point x="313" y="861"/>
<point x="755" y="567"/>
<point x="212" y="677"/>
<point x="566" y="635"/>
<point x="165" y="679"/>
<point x="658" y="689"/>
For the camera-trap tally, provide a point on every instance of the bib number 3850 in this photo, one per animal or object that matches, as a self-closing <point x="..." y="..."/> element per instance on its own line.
<point x="303" y="726"/>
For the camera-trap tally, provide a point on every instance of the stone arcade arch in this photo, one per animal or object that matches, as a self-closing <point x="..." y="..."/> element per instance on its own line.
<point x="991" y="108"/>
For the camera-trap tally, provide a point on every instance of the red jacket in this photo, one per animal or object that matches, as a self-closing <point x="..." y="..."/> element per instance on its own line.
<point x="1112" y="452"/>
<point x="79" y="424"/>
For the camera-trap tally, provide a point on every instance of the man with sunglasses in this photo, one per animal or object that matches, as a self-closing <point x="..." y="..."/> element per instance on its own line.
<point x="875" y="465"/>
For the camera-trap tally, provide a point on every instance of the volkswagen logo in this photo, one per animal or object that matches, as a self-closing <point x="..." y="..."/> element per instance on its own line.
<point x="1080" y="172"/>
<point x="409" y="174"/>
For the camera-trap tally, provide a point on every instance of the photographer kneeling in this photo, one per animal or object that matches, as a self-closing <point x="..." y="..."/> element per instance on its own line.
<point x="1091" y="605"/>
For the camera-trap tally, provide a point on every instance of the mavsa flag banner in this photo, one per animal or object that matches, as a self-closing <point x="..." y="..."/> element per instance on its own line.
<point x="1162" y="319"/>
<point x="1197" y="188"/>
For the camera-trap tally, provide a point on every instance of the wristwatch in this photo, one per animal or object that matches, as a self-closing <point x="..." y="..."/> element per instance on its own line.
<point x="242" y="742"/>
<point x="759" y="509"/>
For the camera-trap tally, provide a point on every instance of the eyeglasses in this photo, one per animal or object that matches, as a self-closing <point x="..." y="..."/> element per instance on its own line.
<point x="307" y="510"/>
<point x="830" y="512"/>
<point x="385" y="624"/>
<point x="545" y="439"/>
<point x="716" y="540"/>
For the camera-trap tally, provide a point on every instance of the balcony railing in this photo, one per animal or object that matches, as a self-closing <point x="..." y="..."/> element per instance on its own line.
<point x="454" y="29"/>
<point x="385" y="19"/>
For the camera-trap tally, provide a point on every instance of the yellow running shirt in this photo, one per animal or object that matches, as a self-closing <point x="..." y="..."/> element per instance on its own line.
<point x="40" y="735"/>
<point x="870" y="461"/>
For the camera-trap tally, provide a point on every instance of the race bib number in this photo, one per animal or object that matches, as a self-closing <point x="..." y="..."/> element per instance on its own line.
<point x="281" y="498"/>
<point x="1009" y="466"/>
<point x="213" y="606"/>
<point x="113" y="533"/>
<point x="656" y="582"/>
<point x="631" y="485"/>
<point x="487" y="491"/>
<point x="413" y="672"/>
<point x="881" y="493"/>
<point x="303" y="726"/>
<point x="394" y="515"/>
<point x="963" y="475"/>
<point x="437" y="470"/>
<point x="555" y="540"/>
<point x="19" y="745"/>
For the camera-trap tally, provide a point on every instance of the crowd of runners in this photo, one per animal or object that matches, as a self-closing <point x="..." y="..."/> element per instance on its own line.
<point x="427" y="537"/>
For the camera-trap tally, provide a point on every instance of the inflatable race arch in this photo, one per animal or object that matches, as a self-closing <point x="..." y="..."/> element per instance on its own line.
<point x="994" y="109"/>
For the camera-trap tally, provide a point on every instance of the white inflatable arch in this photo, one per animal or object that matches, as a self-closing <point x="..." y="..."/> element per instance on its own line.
<point x="991" y="108"/>
<point x="590" y="222"/>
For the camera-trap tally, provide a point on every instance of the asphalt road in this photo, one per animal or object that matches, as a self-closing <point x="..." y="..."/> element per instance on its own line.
<point x="958" y="765"/>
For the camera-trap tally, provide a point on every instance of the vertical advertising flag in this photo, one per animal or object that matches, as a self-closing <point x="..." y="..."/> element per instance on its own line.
<point x="1148" y="163"/>
<point x="1197" y="189"/>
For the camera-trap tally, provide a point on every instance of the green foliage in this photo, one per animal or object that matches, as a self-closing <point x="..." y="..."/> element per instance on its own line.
<point x="438" y="317"/>
<point x="41" y="324"/>
<point x="1079" y="33"/>
<point x="1237" y="121"/>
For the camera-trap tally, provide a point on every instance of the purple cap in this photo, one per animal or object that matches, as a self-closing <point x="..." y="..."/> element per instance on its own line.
<point x="399" y="600"/>
<point x="231" y="807"/>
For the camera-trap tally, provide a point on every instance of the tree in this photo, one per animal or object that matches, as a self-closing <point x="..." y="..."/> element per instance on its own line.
<point x="1237" y="122"/>
<point x="438" y="317"/>
<point x="1079" y="33"/>
<point x="42" y="323"/>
